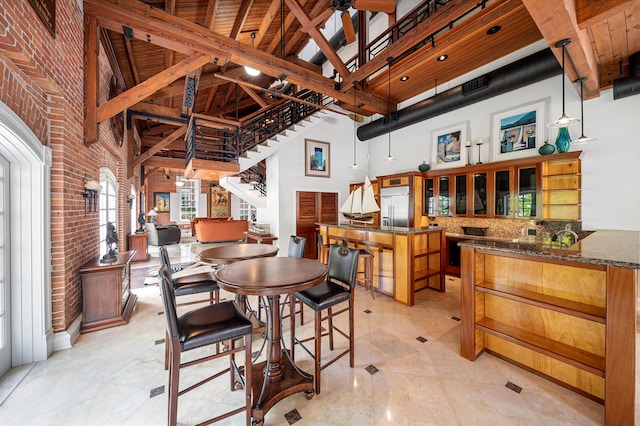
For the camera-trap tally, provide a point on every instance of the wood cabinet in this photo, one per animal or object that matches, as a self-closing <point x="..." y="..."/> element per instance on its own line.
<point x="572" y="322"/>
<point x="138" y="242"/>
<point x="544" y="187"/>
<point x="107" y="300"/>
<point x="561" y="189"/>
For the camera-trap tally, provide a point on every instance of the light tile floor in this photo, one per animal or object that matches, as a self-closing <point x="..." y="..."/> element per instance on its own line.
<point x="108" y="377"/>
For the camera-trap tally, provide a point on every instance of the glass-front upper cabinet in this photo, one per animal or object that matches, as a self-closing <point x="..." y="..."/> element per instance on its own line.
<point x="429" y="198"/>
<point x="443" y="196"/>
<point x="480" y="194"/>
<point x="461" y="194"/>
<point x="527" y="186"/>
<point x="502" y="193"/>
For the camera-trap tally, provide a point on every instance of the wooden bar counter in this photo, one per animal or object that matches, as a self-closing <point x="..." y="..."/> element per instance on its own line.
<point x="568" y="315"/>
<point x="405" y="260"/>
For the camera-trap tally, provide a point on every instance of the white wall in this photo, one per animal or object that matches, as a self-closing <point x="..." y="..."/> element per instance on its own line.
<point x="611" y="173"/>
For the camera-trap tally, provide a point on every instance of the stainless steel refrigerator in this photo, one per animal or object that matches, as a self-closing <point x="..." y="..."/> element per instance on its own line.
<point x="394" y="206"/>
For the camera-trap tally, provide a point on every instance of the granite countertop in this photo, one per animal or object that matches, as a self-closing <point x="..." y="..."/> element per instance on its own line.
<point x="385" y="229"/>
<point x="605" y="247"/>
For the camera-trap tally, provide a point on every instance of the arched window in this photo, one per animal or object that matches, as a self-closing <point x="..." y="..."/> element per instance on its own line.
<point x="108" y="205"/>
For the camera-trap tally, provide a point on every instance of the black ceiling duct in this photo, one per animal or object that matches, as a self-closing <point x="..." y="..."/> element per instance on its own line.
<point x="628" y="86"/>
<point x="533" y="68"/>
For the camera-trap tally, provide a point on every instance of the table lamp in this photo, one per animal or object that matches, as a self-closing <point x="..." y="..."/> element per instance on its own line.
<point x="152" y="214"/>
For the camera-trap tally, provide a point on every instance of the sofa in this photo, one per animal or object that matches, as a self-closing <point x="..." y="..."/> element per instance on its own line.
<point x="213" y="229"/>
<point x="162" y="235"/>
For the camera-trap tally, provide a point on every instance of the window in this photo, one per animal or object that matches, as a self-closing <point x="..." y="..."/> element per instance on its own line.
<point x="189" y="199"/>
<point x="108" y="206"/>
<point x="247" y="211"/>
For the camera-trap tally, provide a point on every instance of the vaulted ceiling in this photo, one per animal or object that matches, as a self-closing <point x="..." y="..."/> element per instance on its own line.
<point x="177" y="57"/>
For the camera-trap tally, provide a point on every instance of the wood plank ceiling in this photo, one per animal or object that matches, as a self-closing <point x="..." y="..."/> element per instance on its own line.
<point x="145" y="39"/>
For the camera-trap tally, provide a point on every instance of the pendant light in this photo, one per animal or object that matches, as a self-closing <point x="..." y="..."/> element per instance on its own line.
<point x="355" y="111"/>
<point x="252" y="71"/>
<point x="179" y="181"/>
<point x="582" y="138"/>
<point x="564" y="120"/>
<point x="389" y="156"/>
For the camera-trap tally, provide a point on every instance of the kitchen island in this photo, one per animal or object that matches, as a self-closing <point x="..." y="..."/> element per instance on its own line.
<point x="405" y="260"/>
<point x="568" y="315"/>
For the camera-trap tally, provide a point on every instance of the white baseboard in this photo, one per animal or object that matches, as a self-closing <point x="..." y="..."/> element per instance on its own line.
<point x="67" y="338"/>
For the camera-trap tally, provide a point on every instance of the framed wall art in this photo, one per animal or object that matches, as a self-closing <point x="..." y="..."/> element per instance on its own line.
<point x="448" y="145"/>
<point x="518" y="132"/>
<point x="161" y="202"/>
<point x="317" y="159"/>
<point x="220" y="202"/>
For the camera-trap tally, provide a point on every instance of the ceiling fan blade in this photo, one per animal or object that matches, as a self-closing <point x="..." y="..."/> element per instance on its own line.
<point x="386" y="6"/>
<point x="349" y="30"/>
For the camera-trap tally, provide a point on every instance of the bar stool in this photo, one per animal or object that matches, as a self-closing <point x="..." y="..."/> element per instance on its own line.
<point x="367" y="279"/>
<point x="323" y="250"/>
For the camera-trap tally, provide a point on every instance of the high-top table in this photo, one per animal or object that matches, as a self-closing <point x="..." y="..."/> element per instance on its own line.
<point x="277" y="377"/>
<point x="234" y="252"/>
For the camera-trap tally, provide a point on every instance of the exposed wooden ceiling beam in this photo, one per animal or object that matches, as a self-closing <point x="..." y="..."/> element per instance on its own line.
<point x="254" y="96"/>
<point x="557" y="21"/>
<point x="180" y="131"/>
<point x="241" y="17"/>
<point x="319" y="38"/>
<point x="132" y="60"/>
<point x="589" y="12"/>
<point x="210" y="15"/>
<point x="90" y="68"/>
<point x="161" y="114"/>
<point x="172" y="163"/>
<point x="149" y="86"/>
<point x="187" y="37"/>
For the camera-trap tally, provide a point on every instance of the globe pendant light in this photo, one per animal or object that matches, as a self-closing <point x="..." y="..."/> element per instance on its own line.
<point x="582" y="139"/>
<point x="389" y="156"/>
<point x="355" y="111"/>
<point x="564" y="120"/>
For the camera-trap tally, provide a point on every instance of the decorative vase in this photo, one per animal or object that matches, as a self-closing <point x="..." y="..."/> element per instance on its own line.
<point x="546" y="149"/>
<point x="423" y="167"/>
<point x="563" y="140"/>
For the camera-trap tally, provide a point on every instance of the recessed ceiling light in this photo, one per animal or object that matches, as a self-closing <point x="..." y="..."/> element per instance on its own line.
<point x="442" y="57"/>
<point x="494" y="29"/>
<point x="404" y="78"/>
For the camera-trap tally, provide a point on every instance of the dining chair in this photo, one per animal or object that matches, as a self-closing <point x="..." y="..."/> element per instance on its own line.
<point x="201" y="282"/>
<point x="199" y="328"/>
<point x="336" y="289"/>
<point x="297" y="246"/>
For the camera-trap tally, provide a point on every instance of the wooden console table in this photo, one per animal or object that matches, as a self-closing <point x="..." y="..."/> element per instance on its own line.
<point x="251" y="238"/>
<point x="107" y="300"/>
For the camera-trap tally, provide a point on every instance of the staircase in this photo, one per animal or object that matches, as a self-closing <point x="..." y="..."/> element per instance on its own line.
<point x="224" y="145"/>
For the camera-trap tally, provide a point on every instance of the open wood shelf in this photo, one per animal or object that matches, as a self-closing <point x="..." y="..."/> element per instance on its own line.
<point x="558" y="304"/>
<point x="571" y="355"/>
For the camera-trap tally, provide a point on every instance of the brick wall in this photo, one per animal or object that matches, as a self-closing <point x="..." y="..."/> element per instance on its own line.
<point x="42" y="82"/>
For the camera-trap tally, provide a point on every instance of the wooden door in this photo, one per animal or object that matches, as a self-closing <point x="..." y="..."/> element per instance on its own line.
<point x="311" y="208"/>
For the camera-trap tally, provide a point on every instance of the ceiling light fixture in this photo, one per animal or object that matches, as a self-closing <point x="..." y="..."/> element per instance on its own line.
<point x="404" y="78"/>
<point x="564" y="120"/>
<point x="442" y="58"/>
<point x="355" y="112"/>
<point x="494" y="29"/>
<point x="389" y="156"/>
<point x="252" y="71"/>
<point x="582" y="138"/>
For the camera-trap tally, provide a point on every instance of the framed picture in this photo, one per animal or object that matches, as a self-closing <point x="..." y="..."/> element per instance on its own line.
<point x="317" y="160"/>
<point x="448" y="145"/>
<point x="519" y="132"/>
<point x="161" y="202"/>
<point x="220" y="203"/>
